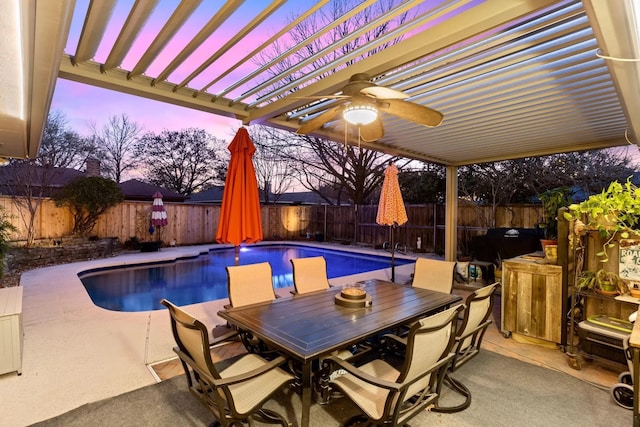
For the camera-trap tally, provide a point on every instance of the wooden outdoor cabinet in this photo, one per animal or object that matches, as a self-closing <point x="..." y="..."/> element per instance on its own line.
<point x="11" y="330"/>
<point x="532" y="299"/>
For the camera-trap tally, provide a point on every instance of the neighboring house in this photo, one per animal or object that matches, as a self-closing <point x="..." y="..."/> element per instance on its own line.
<point x="300" y="198"/>
<point x="141" y="191"/>
<point x="211" y="195"/>
<point x="43" y="181"/>
<point x="214" y="194"/>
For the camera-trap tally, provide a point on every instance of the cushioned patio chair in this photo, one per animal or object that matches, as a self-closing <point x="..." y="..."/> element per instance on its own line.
<point x="434" y="274"/>
<point x="478" y="308"/>
<point x="236" y="393"/>
<point x="250" y="284"/>
<point x="388" y="396"/>
<point x="309" y="274"/>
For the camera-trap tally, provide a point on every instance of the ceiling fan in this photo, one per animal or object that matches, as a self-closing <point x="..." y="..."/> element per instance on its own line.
<point x="363" y="100"/>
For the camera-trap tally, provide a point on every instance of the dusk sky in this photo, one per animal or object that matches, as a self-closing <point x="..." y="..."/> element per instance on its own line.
<point x="84" y="105"/>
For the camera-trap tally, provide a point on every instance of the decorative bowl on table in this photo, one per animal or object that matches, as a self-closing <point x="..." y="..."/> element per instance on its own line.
<point x="353" y="295"/>
<point x="354" y="291"/>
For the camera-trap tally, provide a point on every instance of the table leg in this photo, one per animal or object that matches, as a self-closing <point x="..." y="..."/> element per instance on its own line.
<point x="306" y="393"/>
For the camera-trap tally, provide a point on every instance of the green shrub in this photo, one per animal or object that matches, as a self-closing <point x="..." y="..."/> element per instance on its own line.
<point x="6" y="228"/>
<point x="88" y="197"/>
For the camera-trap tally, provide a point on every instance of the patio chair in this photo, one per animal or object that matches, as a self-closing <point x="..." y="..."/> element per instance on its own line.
<point x="388" y="396"/>
<point x="250" y="284"/>
<point x="434" y="274"/>
<point x="309" y="274"/>
<point x="478" y="308"/>
<point x="234" y="394"/>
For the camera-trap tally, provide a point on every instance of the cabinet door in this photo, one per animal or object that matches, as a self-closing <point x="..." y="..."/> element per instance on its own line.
<point x="533" y="300"/>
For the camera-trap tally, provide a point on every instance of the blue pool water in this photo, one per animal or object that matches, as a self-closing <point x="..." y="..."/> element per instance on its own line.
<point x="195" y="280"/>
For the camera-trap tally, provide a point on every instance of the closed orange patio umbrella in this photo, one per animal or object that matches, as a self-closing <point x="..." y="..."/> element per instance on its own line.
<point x="240" y="218"/>
<point x="391" y="210"/>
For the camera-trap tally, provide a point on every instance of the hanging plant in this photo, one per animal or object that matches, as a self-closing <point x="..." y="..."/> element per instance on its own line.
<point x="615" y="212"/>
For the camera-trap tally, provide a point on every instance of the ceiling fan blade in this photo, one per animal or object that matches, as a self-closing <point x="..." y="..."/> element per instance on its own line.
<point x="318" y="121"/>
<point x="411" y="111"/>
<point x="381" y="92"/>
<point x="373" y="131"/>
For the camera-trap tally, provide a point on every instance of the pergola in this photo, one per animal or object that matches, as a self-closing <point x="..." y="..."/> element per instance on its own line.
<point x="513" y="78"/>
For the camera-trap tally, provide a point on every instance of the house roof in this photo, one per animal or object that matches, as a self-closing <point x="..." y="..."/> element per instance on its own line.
<point x="215" y="193"/>
<point x="47" y="180"/>
<point x="300" y="198"/>
<point x="513" y="78"/>
<point x="134" y="189"/>
<point x="210" y="195"/>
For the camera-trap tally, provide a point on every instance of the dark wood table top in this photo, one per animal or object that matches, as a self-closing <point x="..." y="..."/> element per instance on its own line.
<point x="311" y="325"/>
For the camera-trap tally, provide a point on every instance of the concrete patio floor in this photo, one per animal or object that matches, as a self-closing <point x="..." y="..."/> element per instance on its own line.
<point x="75" y="352"/>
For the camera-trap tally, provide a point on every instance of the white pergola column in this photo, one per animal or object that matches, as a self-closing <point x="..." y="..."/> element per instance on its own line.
<point x="451" y="215"/>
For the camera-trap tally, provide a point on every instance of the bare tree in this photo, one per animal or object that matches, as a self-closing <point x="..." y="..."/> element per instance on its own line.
<point x="62" y="147"/>
<point x="184" y="161"/>
<point x="524" y="180"/>
<point x="29" y="181"/>
<point x="324" y="165"/>
<point x="275" y="173"/>
<point x="117" y="140"/>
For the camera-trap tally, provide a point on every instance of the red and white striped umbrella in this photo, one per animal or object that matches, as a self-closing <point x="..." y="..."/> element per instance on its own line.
<point x="158" y="212"/>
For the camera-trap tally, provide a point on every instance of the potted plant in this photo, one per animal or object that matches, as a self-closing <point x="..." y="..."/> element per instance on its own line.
<point x="602" y="282"/>
<point x="615" y="212"/>
<point x="552" y="200"/>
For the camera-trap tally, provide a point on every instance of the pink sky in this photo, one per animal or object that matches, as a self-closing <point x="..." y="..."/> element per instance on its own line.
<point x="84" y="104"/>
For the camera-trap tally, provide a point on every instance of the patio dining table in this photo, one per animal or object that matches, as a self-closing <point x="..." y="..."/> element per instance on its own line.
<point x="309" y="326"/>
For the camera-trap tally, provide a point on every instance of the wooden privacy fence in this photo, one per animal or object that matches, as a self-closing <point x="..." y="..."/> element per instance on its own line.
<point x="190" y="224"/>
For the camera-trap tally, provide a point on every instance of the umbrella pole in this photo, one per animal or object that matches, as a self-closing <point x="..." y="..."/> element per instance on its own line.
<point x="393" y="263"/>
<point x="237" y="254"/>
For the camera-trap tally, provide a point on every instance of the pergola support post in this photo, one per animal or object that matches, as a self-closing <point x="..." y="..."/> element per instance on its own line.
<point x="451" y="215"/>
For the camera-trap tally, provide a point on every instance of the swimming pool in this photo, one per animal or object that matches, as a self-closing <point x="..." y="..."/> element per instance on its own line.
<point x="204" y="278"/>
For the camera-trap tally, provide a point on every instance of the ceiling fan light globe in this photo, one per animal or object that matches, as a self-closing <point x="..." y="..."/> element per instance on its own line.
<point x="360" y="114"/>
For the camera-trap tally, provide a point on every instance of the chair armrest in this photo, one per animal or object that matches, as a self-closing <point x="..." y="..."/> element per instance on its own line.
<point x="474" y="330"/>
<point x="251" y="374"/>
<point x="389" y="385"/>
<point x="224" y="337"/>
<point x="399" y="340"/>
<point x="219" y="382"/>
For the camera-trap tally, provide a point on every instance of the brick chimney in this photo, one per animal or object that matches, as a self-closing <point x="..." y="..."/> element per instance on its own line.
<point x="93" y="167"/>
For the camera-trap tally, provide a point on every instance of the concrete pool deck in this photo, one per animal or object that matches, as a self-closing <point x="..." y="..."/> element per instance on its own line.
<point x="76" y="352"/>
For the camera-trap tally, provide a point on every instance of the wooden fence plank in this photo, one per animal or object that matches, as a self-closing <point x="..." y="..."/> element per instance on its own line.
<point x="197" y="223"/>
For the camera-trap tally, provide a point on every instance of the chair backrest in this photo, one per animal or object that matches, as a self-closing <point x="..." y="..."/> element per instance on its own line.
<point x="250" y="284"/>
<point x="193" y="349"/>
<point x="429" y="341"/>
<point x="479" y="306"/>
<point x="192" y="338"/>
<point x="309" y="274"/>
<point x="434" y="274"/>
